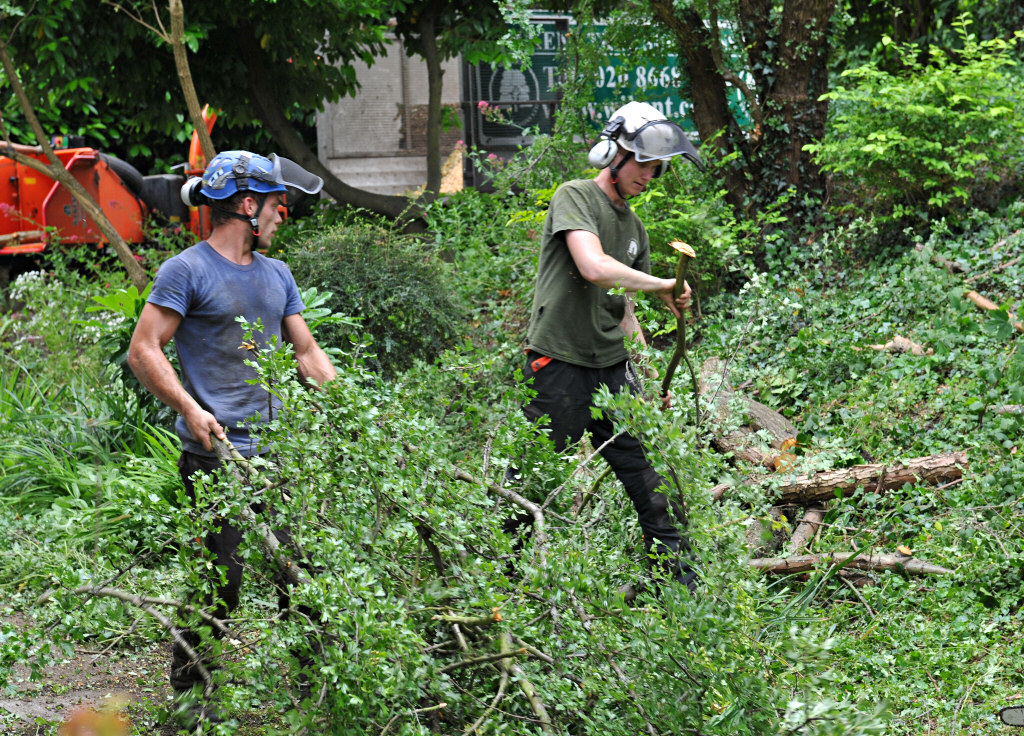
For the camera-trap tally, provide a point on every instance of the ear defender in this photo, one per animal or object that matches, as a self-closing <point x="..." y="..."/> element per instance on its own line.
<point x="190" y="193"/>
<point x="603" y="152"/>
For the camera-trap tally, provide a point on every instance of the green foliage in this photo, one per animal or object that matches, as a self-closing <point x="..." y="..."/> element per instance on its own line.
<point x="372" y="498"/>
<point x="401" y="292"/>
<point x="365" y="473"/>
<point x="66" y="52"/>
<point x="931" y="139"/>
<point x="687" y="205"/>
<point x="120" y="310"/>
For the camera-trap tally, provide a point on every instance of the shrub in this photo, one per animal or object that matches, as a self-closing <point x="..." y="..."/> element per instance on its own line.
<point x="930" y="140"/>
<point x="399" y="290"/>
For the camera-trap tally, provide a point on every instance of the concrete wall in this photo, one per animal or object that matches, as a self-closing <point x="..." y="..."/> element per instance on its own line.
<point x="377" y="139"/>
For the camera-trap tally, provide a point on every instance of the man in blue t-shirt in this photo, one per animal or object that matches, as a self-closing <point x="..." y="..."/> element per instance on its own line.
<point x="196" y="299"/>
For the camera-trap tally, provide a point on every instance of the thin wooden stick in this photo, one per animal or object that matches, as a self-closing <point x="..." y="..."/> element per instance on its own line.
<point x="502" y="685"/>
<point x="242" y="469"/>
<point x="685" y="254"/>
<point x="485" y="659"/>
<point x="526" y="686"/>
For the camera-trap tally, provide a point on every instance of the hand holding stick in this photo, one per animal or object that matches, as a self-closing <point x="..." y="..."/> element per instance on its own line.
<point x="685" y="254"/>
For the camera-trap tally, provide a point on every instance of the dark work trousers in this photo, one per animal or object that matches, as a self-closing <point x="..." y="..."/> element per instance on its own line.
<point x="565" y="394"/>
<point x="223" y="546"/>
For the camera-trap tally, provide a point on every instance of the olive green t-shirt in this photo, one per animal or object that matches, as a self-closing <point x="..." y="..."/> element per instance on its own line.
<point x="572" y="319"/>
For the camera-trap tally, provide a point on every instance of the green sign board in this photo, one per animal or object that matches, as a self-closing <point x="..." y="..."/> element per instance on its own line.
<point x="526" y="97"/>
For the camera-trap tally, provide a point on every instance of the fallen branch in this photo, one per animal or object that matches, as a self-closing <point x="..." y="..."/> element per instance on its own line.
<point x="651" y="730"/>
<point x="808" y="490"/>
<point x="191" y="653"/>
<point x="806" y="528"/>
<point x="743" y="443"/>
<point x="502" y="685"/>
<point x="1010" y="409"/>
<point x="139" y="601"/>
<point x="539" y="536"/>
<point x="995" y="270"/>
<point x="415" y="712"/>
<point x="485" y="659"/>
<point x="805" y="563"/>
<point x="900" y="344"/>
<point x="242" y="469"/>
<point x="585" y="620"/>
<point x="468" y="620"/>
<point x="526" y="686"/>
<point x="984" y="303"/>
<point x="856" y="592"/>
<point x="951" y="266"/>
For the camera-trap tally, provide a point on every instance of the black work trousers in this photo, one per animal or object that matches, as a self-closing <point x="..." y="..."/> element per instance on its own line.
<point x="223" y="544"/>
<point x="565" y="394"/>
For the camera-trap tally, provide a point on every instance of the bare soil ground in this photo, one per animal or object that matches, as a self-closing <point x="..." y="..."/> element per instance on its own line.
<point x="132" y="681"/>
<point x="122" y="679"/>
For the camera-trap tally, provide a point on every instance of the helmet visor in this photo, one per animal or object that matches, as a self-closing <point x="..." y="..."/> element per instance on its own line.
<point x="662" y="139"/>
<point x="294" y="177"/>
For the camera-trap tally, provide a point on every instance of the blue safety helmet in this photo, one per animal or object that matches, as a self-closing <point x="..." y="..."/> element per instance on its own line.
<point x="241" y="171"/>
<point x="234" y="171"/>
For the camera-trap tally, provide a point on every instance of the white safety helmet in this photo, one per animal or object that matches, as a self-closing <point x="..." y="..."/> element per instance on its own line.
<point x="641" y="129"/>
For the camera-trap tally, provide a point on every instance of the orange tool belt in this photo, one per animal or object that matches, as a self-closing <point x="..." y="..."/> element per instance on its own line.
<point x="536" y="365"/>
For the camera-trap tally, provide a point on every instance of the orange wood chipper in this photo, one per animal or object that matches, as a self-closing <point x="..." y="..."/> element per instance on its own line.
<point x="36" y="211"/>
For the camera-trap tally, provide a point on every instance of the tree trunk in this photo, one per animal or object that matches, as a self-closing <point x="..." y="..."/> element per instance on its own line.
<point x="711" y="112"/>
<point x="435" y="82"/>
<point x="284" y="133"/>
<point x="195" y="110"/>
<point x="57" y="172"/>
<point x="801" y="77"/>
<point x="806" y="563"/>
<point x="786" y="57"/>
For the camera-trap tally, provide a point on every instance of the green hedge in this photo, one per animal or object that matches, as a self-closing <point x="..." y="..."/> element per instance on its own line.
<point x="402" y="295"/>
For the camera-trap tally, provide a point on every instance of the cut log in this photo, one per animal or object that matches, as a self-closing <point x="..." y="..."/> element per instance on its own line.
<point x="805" y="563"/>
<point x="900" y="344"/>
<point x="984" y="303"/>
<point x="742" y="443"/>
<point x="809" y="490"/>
<point x="995" y="270"/>
<point x="1010" y="409"/>
<point x="806" y="529"/>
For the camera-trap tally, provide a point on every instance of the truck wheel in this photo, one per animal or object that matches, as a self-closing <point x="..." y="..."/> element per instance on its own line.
<point x="128" y="173"/>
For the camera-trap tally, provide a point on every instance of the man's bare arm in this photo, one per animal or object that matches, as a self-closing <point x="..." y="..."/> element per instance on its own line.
<point x="146" y="358"/>
<point x="314" y="365"/>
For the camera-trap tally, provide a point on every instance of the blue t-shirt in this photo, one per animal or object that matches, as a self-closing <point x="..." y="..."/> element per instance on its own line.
<point x="210" y="292"/>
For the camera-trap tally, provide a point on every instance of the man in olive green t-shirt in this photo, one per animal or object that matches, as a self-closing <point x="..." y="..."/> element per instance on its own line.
<point x="593" y="242"/>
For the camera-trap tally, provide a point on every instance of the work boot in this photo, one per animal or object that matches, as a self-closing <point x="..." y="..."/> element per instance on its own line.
<point x="191" y="709"/>
<point x="666" y="564"/>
